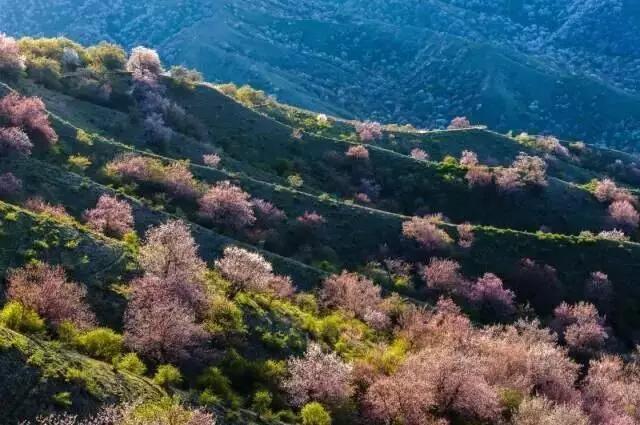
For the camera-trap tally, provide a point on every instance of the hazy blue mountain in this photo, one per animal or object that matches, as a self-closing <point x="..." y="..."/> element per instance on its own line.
<point x="571" y="68"/>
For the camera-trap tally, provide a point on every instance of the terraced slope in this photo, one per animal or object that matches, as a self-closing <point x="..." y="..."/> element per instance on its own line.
<point x="252" y="146"/>
<point x="267" y="150"/>
<point x="491" y="147"/>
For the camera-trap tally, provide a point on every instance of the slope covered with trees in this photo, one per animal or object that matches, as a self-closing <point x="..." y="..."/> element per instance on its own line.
<point x="175" y="252"/>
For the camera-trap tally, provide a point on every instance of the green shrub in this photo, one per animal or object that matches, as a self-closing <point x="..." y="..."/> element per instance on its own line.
<point x="131" y="363"/>
<point x="79" y="162"/>
<point x="51" y="48"/>
<point x="328" y="328"/>
<point x="164" y="411"/>
<point x="282" y="341"/>
<point x="272" y="370"/>
<point x="208" y="398"/>
<point x="132" y="242"/>
<point x="167" y="375"/>
<point x="83" y="377"/>
<point x="449" y="160"/>
<point x="213" y="379"/>
<point x="250" y="96"/>
<point x="325" y="197"/>
<point x="295" y="181"/>
<point x="20" y="318"/>
<point x="62" y="399"/>
<point x="185" y="77"/>
<point x="261" y="402"/>
<point x="67" y="332"/>
<point x="228" y="89"/>
<point x="314" y="414"/>
<point x="11" y="216"/>
<point x="84" y="137"/>
<point x="45" y="71"/>
<point x="224" y="317"/>
<point x="389" y="358"/>
<point x="217" y="385"/>
<point x="240" y="370"/>
<point x="307" y="302"/>
<point x="106" y="57"/>
<point x="102" y="343"/>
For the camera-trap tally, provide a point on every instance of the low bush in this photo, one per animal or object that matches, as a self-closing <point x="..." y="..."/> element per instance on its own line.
<point x="131" y="363"/>
<point x="102" y="343"/>
<point x="167" y="375"/>
<point x="314" y="414"/>
<point x="19" y="318"/>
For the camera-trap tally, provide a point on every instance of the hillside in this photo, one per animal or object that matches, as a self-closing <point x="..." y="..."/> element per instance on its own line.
<point x="34" y="372"/>
<point x="222" y="254"/>
<point x="570" y="68"/>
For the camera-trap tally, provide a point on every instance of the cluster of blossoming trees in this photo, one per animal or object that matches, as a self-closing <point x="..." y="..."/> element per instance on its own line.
<point x="622" y="204"/>
<point x="526" y="171"/>
<point x="12" y="61"/>
<point x="222" y="204"/>
<point x="24" y="123"/>
<point x="452" y="370"/>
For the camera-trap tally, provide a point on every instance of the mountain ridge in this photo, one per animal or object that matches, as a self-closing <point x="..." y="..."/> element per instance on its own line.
<point x="436" y="73"/>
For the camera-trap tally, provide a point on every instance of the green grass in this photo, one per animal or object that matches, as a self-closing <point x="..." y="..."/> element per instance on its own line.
<point x="86" y="256"/>
<point x="39" y="375"/>
<point x="491" y="147"/>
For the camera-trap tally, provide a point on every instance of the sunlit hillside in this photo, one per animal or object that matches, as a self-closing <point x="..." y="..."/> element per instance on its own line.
<point x="179" y="252"/>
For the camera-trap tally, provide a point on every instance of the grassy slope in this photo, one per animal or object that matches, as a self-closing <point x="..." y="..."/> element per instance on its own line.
<point x="356" y="232"/>
<point x="231" y="118"/>
<point x="408" y="186"/>
<point x="354" y="235"/>
<point x="88" y="257"/>
<point x="366" y="228"/>
<point x="491" y="147"/>
<point x="265" y="149"/>
<point x="35" y="370"/>
<point x="61" y="186"/>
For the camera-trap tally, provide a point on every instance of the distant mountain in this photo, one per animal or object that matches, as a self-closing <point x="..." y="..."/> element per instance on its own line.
<point x="571" y="68"/>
